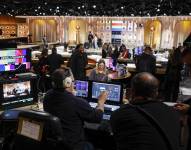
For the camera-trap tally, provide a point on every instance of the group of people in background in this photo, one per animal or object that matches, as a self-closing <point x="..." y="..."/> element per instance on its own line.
<point x="94" y="41"/>
<point x="145" y="88"/>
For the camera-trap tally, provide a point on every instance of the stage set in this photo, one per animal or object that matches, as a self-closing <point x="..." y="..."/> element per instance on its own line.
<point x="158" y="32"/>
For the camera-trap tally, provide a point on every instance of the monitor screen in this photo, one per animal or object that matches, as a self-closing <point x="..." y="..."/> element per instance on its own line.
<point x="109" y="63"/>
<point x="16" y="89"/>
<point x="15" y="60"/>
<point x="114" y="91"/>
<point x="81" y="88"/>
<point x="16" y="93"/>
<point x="138" y="50"/>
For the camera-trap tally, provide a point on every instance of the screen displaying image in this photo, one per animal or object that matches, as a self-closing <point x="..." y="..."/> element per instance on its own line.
<point x="113" y="90"/>
<point x="16" y="89"/>
<point x="15" y="60"/>
<point x="81" y="88"/>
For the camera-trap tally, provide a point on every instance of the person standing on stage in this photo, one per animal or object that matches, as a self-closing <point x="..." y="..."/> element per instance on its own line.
<point x="95" y="41"/>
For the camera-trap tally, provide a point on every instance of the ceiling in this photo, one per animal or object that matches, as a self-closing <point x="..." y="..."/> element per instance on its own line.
<point x="95" y="7"/>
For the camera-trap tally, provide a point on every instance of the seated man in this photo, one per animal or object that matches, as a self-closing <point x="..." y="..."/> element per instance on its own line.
<point x="71" y="110"/>
<point x="145" y="123"/>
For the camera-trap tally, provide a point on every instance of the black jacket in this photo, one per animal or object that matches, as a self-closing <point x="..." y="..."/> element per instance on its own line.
<point x="72" y="111"/>
<point x="78" y="63"/>
<point x="133" y="131"/>
<point x="146" y="63"/>
<point x="54" y="61"/>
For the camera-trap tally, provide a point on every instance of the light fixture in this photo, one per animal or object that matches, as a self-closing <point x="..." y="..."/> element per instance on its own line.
<point x="158" y="9"/>
<point x="94" y="6"/>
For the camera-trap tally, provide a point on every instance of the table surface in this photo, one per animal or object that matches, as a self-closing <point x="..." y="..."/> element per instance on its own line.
<point x="114" y="76"/>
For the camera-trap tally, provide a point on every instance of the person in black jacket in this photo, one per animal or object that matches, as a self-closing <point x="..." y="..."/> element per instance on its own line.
<point x="71" y="110"/>
<point x="186" y="108"/>
<point x="173" y="76"/>
<point x="78" y="62"/>
<point x="54" y="60"/>
<point x="136" y="130"/>
<point x="146" y="62"/>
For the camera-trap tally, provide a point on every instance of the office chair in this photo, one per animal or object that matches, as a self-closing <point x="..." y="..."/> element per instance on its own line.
<point x="8" y="128"/>
<point x="38" y="131"/>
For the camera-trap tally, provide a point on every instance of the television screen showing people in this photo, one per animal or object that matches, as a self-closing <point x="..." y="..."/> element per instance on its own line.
<point x="81" y="88"/>
<point x="15" y="60"/>
<point x="16" y="89"/>
<point x="114" y="91"/>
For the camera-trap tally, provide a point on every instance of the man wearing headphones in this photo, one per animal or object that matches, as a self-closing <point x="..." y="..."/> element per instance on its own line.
<point x="72" y="111"/>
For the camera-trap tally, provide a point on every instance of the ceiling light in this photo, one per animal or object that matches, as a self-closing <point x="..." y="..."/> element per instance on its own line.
<point x="38" y="7"/>
<point x="190" y="13"/>
<point x="94" y="6"/>
<point x="82" y="6"/>
<point x="122" y="7"/>
<point x="158" y="9"/>
<point x="78" y="7"/>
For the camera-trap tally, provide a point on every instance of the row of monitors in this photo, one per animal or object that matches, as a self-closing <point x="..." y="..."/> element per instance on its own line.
<point x="91" y="90"/>
<point x="17" y="93"/>
<point x="15" y="60"/>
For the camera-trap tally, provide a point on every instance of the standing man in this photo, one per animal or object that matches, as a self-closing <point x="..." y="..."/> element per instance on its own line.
<point x="146" y="62"/>
<point x="143" y="124"/>
<point x="90" y="39"/>
<point x="54" y="60"/>
<point x="173" y="76"/>
<point x="186" y="108"/>
<point x="78" y="62"/>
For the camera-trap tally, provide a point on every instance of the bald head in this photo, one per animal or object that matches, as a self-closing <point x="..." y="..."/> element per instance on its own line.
<point x="144" y="85"/>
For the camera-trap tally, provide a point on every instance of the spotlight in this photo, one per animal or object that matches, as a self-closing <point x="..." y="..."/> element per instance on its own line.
<point x="122" y="7"/>
<point x="78" y="7"/>
<point x="158" y="9"/>
<point x="94" y="6"/>
<point x="82" y="6"/>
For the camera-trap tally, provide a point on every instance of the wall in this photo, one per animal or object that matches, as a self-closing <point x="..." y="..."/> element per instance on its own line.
<point x="43" y="27"/>
<point x="72" y="32"/>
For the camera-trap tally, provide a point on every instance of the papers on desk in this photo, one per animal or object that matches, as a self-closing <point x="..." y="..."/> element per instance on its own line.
<point x="131" y="66"/>
<point x="185" y="91"/>
<point x="169" y="104"/>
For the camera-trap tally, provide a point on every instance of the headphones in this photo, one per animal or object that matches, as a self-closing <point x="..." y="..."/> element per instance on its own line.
<point x="62" y="78"/>
<point x="67" y="82"/>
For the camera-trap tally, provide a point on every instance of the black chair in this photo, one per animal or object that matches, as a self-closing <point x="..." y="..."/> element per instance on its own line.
<point x="8" y="128"/>
<point x="38" y="131"/>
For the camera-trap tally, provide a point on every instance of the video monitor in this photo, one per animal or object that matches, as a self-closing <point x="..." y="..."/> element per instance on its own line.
<point x="138" y="50"/>
<point x="114" y="91"/>
<point x="81" y="88"/>
<point x="16" y="94"/>
<point x="15" y="60"/>
<point x="16" y="89"/>
<point x="109" y="63"/>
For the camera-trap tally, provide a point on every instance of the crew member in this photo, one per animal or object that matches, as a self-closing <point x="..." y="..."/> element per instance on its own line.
<point x="71" y="110"/>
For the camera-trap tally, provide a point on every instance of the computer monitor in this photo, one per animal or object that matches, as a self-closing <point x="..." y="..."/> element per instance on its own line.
<point x="15" y="60"/>
<point x="81" y="88"/>
<point x="109" y="63"/>
<point x="138" y="50"/>
<point x="115" y="92"/>
<point x="16" y="93"/>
